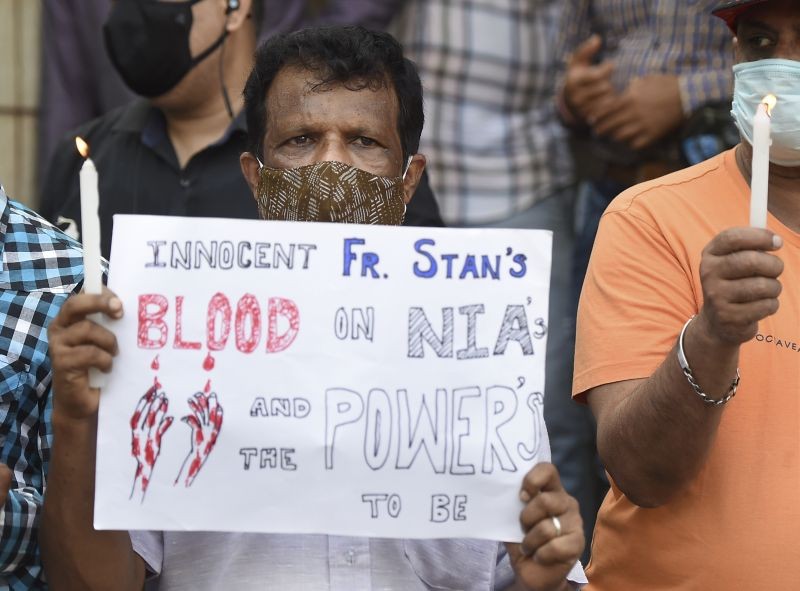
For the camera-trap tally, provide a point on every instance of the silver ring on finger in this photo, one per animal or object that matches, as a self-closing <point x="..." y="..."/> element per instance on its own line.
<point x="557" y="524"/>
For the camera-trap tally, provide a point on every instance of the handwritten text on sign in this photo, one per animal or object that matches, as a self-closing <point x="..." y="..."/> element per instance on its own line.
<point x="323" y="378"/>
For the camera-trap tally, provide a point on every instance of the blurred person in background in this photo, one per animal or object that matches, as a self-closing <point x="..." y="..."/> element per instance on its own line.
<point x="498" y="157"/>
<point x="174" y="151"/>
<point x="79" y="82"/>
<point x="646" y="91"/>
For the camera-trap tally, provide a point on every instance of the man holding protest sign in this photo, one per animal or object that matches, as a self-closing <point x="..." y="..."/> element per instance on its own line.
<point x="334" y="118"/>
<point x="703" y="493"/>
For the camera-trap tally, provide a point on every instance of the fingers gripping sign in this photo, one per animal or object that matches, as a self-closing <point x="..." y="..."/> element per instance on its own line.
<point x="553" y="530"/>
<point x="148" y="425"/>
<point x="206" y="423"/>
<point x="77" y="344"/>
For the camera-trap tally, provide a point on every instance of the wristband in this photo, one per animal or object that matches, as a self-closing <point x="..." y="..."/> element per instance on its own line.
<point x="687" y="371"/>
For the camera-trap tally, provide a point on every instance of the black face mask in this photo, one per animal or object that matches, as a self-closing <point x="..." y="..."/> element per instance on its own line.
<point x="148" y="43"/>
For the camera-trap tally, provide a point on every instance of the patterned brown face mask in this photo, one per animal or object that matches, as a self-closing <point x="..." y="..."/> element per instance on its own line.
<point x="330" y="192"/>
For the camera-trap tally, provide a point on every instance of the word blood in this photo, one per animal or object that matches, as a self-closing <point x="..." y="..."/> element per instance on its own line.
<point x="246" y="321"/>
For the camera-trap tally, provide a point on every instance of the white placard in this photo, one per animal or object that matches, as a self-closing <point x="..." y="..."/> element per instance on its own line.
<point x="323" y="378"/>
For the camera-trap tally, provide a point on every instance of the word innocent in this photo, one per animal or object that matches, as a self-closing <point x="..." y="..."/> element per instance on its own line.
<point x="225" y="254"/>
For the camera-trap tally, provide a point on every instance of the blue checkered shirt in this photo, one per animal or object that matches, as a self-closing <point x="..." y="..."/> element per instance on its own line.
<point x="41" y="268"/>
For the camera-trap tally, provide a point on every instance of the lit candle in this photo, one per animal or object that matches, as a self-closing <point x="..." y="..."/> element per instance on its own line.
<point x="759" y="183"/>
<point x="90" y="237"/>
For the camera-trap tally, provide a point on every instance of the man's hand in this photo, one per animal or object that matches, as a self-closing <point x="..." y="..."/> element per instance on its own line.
<point x="587" y="84"/>
<point x="546" y="555"/>
<point x="5" y="483"/>
<point x="649" y="109"/>
<point x="76" y="344"/>
<point x="740" y="284"/>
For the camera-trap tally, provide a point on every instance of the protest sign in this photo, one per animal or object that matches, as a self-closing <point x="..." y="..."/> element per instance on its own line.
<point x="323" y="378"/>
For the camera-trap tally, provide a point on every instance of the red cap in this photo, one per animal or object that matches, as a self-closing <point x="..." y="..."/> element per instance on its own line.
<point x="730" y="10"/>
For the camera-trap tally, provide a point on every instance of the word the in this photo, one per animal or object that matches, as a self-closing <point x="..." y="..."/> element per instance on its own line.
<point x="269" y="457"/>
<point x="247" y="324"/>
<point x="225" y="255"/>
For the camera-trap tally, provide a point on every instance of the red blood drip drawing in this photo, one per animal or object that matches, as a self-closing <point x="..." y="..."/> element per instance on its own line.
<point x="209" y="362"/>
<point x="205" y="421"/>
<point x="148" y="424"/>
<point x="155" y="365"/>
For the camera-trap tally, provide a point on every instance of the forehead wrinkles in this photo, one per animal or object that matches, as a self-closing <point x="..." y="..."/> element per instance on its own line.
<point x="299" y="93"/>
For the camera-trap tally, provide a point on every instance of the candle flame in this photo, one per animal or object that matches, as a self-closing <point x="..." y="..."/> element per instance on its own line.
<point x="82" y="146"/>
<point x="770" y="101"/>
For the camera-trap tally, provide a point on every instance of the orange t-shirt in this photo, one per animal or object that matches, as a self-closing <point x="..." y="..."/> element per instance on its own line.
<point x="737" y="525"/>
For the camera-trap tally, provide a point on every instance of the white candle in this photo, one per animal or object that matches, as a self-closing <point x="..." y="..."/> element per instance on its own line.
<point x="90" y="230"/>
<point x="759" y="183"/>
<point x="90" y="237"/>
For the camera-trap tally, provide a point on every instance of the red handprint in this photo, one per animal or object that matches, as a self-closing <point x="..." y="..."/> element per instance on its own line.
<point x="148" y="425"/>
<point x="206" y="422"/>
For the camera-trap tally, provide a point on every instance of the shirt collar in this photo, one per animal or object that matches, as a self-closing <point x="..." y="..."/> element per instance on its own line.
<point x="143" y="118"/>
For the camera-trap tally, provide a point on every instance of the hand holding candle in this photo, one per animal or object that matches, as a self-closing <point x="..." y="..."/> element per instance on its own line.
<point x="759" y="183"/>
<point x="90" y="235"/>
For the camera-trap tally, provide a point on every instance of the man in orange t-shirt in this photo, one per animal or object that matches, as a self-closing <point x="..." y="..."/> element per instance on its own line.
<point x="705" y="485"/>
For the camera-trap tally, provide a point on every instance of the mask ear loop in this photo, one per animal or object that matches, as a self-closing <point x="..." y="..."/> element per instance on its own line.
<point x="225" y="98"/>
<point x="260" y="164"/>
<point x="405" y="172"/>
<point x="408" y="165"/>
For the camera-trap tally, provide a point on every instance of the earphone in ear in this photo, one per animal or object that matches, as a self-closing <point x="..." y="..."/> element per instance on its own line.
<point x="232" y="5"/>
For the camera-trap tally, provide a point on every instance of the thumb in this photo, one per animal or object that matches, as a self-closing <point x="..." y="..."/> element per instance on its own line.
<point x="586" y="51"/>
<point x="514" y="552"/>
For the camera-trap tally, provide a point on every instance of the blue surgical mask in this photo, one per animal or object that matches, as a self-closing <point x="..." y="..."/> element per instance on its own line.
<point x="754" y="81"/>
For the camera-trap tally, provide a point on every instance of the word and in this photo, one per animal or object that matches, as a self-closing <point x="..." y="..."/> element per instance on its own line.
<point x="247" y="325"/>
<point x="213" y="254"/>
<point x="299" y="408"/>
